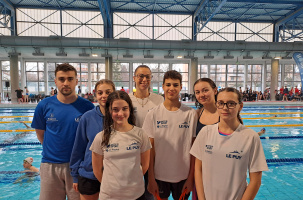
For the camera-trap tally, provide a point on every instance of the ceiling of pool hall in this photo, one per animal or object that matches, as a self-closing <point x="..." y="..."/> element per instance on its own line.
<point x="281" y="13"/>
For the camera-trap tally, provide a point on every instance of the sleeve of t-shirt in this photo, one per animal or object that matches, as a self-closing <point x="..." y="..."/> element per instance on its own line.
<point x="96" y="145"/>
<point x="197" y="148"/>
<point x="148" y="124"/>
<point x="146" y="145"/>
<point x="257" y="161"/>
<point x="39" y="120"/>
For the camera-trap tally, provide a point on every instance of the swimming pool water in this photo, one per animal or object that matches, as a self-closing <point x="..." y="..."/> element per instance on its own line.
<point x="284" y="180"/>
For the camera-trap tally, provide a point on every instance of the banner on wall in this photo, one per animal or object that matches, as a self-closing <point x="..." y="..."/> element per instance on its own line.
<point x="298" y="57"/>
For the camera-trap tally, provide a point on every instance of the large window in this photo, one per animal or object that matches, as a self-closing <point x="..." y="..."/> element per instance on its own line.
<point x="218" y="75"/>
<point x="82" y="75"/>
<point x="202" y="71"/>
<point x="46" y="22"/>
<point x="292" y="76"/>
<point x="152" y="26"/>
<point x="97" y="73"/>
<point x="230" y="31"/>
<point x="121" y="76"/>
<point x="254" y="77"/>
<point x="183" y="69"/>
<point x="235" y="76"/>
<point x="35" y="81"/>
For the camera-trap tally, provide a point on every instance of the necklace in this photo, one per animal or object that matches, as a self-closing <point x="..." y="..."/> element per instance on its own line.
<point x="142" y="103"/>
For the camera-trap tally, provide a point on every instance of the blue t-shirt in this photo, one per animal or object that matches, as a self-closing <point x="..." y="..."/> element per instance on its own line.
<point x="59" y="122"/>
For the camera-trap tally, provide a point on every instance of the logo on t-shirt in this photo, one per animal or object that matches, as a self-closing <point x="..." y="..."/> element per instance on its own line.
<point x="133" y="145"/>
<point x="235" y="154"/>
<point x="162" y="124"/>
<point x="209" y="149"/>
<point x="112" y="147"/>
<point x="184" y="125"/>
<point x="52" y="118"/>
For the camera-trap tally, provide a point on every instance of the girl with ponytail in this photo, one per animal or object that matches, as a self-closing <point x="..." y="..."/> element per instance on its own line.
<point x="224" y="153"/>
<point x="122" y="150"/>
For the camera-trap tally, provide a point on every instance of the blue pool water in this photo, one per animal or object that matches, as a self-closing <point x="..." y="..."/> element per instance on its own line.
<point x="284" y="180"/>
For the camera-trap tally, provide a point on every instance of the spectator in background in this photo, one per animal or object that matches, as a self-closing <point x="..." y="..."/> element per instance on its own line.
<point x="26" y="94"/>
<point x="79" y="90"/>
<point x="122" y="89"/>
<point x="52" y="91"/>
<point x="19" y="95"/>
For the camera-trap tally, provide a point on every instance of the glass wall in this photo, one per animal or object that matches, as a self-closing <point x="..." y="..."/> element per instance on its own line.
<point x="97" y="73"/>
<point x="34" y="73"/>
<point x="121" y="76"/>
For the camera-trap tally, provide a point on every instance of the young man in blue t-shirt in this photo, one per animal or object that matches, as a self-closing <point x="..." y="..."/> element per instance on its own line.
<point x="56" y="119"/>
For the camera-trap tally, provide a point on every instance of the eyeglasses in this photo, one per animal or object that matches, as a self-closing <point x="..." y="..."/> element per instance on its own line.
<point x="230" y="104"/>
<point x="147" y="76"/>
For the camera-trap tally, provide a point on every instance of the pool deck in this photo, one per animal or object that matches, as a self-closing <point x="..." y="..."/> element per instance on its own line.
<point x="5" y="104"/>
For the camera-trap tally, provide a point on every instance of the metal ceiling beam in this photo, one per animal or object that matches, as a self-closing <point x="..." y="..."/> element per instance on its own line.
<point x="107" y="16"/>
<point x="267" y="1"/>
<point x="281" y="21"/>
<point x="59" y="42"/>
<point x="8" y="5"/>
<point x="204" y="13"/>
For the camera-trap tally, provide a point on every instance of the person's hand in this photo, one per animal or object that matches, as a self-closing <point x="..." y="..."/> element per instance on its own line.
<point x="188" y="185"/>
<point x="153" y="188"/>
<point x="75" y="186"/>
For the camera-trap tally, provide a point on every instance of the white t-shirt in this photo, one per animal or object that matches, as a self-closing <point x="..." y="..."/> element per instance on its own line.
<point x="142" y="106"/>
<point x="122" y="176"/>
<point x="226" y="159"/>
<point x="173" y="132"/>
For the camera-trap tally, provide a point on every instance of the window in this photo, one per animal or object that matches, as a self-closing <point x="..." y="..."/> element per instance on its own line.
<point x="121" y="76"/>
<point x="183" y="69"/>
<point x="34" y="72"/>
<point x="97" y="73"/>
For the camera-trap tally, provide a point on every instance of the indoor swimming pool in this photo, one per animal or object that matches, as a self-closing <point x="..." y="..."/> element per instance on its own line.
<point x="282" y="145"/>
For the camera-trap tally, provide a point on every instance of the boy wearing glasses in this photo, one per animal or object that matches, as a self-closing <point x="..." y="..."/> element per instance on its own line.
<point x="171" y="127"/>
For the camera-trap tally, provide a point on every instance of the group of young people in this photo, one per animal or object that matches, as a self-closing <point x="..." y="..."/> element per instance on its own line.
<point x="104" y="151"/>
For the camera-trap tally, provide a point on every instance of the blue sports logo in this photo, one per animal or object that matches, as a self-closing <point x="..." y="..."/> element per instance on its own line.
<point x="184" y="125"/>
<point x="234" y="155"/>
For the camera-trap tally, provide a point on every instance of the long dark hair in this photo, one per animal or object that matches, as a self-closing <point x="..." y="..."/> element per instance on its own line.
<point x="234" y="90"/>
<point x="108" y="120"/>
<point x="212" y="85"/>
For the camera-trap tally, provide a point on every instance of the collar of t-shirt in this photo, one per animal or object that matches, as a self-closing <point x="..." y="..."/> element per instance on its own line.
<point x="224" y="134"/>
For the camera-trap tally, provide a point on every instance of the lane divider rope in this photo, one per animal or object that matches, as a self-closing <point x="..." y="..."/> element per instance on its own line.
<point x="272" y="118"/>
<point x="272" y="113"/>
<point x="282" y="137"/>
<point x="19" y="130"/>
<point x="274" y="125"/>
<point x="4" y="122"/>
<point x="21" y="143"/>
<point x="14" y="116"/>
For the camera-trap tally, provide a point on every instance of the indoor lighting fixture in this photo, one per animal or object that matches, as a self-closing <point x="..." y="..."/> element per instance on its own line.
<point x="266" y="56"/>
<point x="127" y="55"/>
<point x="61" y="52"/>
<point x="277" y="57"/>
<point x="94" y="55"/>
<point x="169" y="56"/>
<point x="83" y="54"/>
<point x="287" y="57"/>
<point x="228" y="56"/>
<point x="248" y="56"/>
<point x="37" y="52"/>
<point x="209" y="56"/>
<point x="179" y="56"/>
<point x="148" y="54"/>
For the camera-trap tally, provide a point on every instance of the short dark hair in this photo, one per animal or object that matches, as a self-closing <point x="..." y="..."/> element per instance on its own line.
<point x="172" y="74"/>
<point x="65" y="67"/>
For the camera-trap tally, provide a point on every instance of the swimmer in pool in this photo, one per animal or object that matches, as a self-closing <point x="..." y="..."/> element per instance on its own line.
<point x="29" y="170"/>
<point x="262" y="131"/>
<point x="18" y="136"/>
